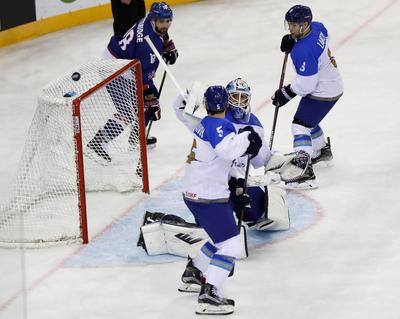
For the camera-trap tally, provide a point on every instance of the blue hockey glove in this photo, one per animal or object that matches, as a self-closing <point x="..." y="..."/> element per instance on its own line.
<point x="287" y="43"/>
<point x="282" y="96"/>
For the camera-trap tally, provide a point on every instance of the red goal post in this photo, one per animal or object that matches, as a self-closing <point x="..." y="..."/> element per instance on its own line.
<point x="58" y="166"/>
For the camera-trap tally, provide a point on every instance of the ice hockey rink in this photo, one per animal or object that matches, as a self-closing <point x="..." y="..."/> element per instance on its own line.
<point x="342" y="262"/>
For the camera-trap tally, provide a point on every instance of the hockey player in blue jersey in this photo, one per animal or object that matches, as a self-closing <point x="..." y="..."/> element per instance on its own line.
<point x="317" y="81"/>
<point x="133" y="46"/>
<point x="206" y="193"/>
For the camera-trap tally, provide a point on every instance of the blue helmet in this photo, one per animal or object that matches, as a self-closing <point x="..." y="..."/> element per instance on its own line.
<point x="299" y="14"/>
<point x="216" y="98"/>
<point x="239" y="96"/>
<point x="160" y="10"/>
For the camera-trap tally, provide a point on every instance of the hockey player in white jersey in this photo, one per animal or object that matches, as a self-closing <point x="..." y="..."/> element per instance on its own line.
<point x="317" y="81"/>
<point x="215" y="145"/>
<point x="239" y="113"/>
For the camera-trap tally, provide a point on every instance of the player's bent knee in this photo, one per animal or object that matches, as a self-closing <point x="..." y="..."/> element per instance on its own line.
<point x="233" y="247"/>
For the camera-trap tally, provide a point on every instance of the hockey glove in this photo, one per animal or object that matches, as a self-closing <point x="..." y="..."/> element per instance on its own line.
<point x="240" y="202"/>
<point x="151" y="105"/>
<point x="255" y="144"/>
<point x="236" y="186"/>
<point x="282" y="96"/>
<point x="287" y="43"/>
<point x="170" y="53"/>
<point x="247" y="128"/>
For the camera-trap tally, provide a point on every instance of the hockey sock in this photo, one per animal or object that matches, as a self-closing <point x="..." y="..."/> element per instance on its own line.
<point x="318" y="140"/>
<point x="303" y="142"/>
<point x="202" y="260"/>
<point x="219" y="269"/>
<point x="112" y="129"/>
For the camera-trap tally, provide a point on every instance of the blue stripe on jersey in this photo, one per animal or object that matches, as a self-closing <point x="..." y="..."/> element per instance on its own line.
<point x="253" y="121"/>
<point x="214" y="130"/>
<point x="302" y="140"/>
<point x="306" y="52"/>
<point x="222" y="261"/>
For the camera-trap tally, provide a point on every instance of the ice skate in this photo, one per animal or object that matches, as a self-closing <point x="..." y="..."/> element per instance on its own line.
<point x="151" y="142"/>
<point x="210" y="303"/>
<point x="325" y="155"/>
<point x="191" y="278"/>
<point x="299" y="174"/>
<point x="303" y="182"/>
<point x="96" y="145"/>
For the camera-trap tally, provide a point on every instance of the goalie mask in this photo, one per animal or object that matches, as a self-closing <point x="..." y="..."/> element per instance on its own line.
<point x="239" y="99"/>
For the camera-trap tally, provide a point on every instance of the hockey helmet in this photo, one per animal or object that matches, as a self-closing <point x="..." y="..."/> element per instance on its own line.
<point x="160" y="10"/>
<point x="299" y="14"/>
<point x="216" y="98"/>
<point x="239" y="96"/>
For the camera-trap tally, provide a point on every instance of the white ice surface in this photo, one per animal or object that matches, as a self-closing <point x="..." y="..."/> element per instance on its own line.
<point x="345" y="266"/>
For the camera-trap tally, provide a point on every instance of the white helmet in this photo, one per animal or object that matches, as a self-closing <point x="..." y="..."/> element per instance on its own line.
<point x="239" y="96"/>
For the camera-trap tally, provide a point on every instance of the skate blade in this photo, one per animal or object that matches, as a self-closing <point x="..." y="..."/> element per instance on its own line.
<point x="151" y="146"/>
<point x="307" y="185"/>
<point x="264" y="226"/>
<point x="91" y="154"/>
<point x="207" y="309"/>
<point x="189" y="288"/>
<point x="328" y="163"/>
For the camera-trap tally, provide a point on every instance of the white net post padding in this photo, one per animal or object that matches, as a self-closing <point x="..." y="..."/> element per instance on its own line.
<point x="46" y="191"/>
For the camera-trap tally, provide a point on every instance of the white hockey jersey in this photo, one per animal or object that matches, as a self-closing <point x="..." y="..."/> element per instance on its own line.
<point x="317" y="75"/>
<point x="264" y="154"/>
<point x="214" y="148"/>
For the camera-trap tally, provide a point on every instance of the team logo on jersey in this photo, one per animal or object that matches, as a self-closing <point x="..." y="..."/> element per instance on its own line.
<point x="303" y="67"/>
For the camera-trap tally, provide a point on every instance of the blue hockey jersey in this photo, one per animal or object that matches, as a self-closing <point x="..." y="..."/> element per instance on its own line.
<point x="133" y="46"/>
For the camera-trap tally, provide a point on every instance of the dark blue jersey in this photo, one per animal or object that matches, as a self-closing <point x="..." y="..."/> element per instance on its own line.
<point x="133" y="46"/>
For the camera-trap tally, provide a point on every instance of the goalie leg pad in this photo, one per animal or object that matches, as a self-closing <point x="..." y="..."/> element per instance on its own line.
<point x="173" y="235"/>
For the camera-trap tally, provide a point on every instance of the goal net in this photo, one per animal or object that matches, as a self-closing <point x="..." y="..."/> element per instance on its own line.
<point x="87" y="134"/>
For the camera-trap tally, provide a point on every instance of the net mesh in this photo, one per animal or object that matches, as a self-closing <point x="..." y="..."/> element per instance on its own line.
<point x="45" y="193"/>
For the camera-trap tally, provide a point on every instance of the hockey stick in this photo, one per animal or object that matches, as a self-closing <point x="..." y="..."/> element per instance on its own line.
<point x="165" y="66"/>
<point x="271" y="139"/>
<point x="159" y="93"/>
<point x="246" y="176"/>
